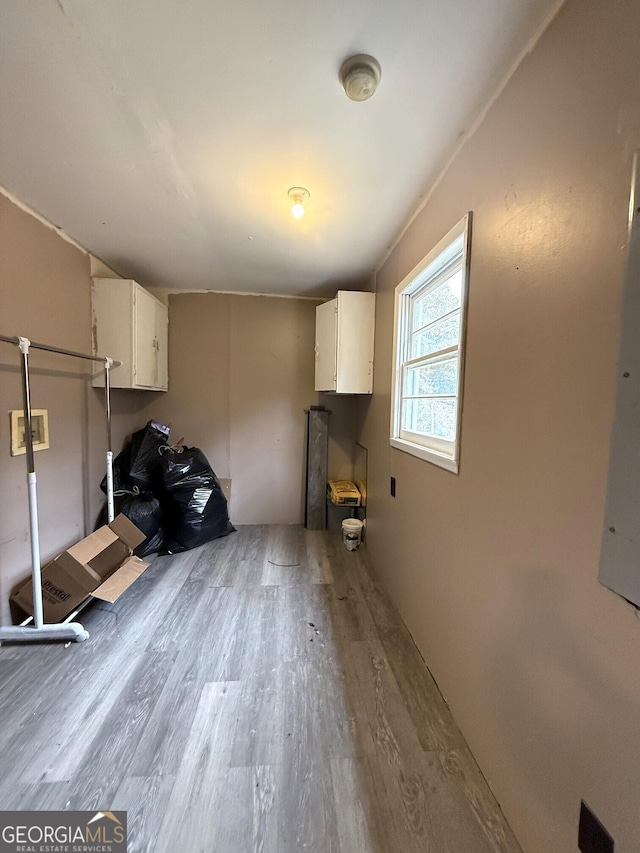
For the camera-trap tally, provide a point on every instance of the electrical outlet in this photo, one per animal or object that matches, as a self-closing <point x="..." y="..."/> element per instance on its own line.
<point x="592" y="836"/>
<point x="393" y="487"/>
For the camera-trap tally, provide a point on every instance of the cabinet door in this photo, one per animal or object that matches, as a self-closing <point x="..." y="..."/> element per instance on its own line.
<point x="112" y="329"/>
<point x="326" y="341"/>
<point x="356" y="320"/>
<point x="162" y="346"/>
<point x="145" y="358"/>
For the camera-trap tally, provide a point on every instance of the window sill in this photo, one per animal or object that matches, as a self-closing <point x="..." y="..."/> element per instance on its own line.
<point x="439" y="459"/>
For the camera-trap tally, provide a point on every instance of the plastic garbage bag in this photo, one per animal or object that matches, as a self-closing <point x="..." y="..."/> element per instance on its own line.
<point x="138" y="464"/>
<point x="145" y="511"/>
<point x="145" y="449"/>
<point x="194" y="504"/>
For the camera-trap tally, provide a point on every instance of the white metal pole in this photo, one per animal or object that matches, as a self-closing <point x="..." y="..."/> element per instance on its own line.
<point x="24" y="344"/>
<point x="108" y="364"/>
<point x="35" y="550"/>
<point x="110" y="505"/>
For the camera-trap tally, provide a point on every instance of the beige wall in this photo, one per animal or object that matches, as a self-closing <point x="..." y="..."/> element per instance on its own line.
<point x="241" y="376"/>
<point x="45" y="296"/>
<point x="495" y="570"/>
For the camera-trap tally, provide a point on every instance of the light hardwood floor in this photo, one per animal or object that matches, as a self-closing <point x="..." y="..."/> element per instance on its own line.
<point x="258" y="694"/>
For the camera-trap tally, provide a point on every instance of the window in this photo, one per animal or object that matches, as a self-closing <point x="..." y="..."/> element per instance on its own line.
<point x="429" y="321"/>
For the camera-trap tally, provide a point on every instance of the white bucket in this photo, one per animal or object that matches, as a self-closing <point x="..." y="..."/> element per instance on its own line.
<point x="351" y="533"/>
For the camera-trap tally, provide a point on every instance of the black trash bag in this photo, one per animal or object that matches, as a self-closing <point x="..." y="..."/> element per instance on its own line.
<point x="145" y="511"/>
<point x="145" y="459"/>
<point x="121" y="479"/>
<point x="139" y="463"/>
<point x="195" y="508"/>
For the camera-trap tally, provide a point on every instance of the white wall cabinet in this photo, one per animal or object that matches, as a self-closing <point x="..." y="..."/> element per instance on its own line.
<point x="132" y="326"/>
<point x="344" y="343"/>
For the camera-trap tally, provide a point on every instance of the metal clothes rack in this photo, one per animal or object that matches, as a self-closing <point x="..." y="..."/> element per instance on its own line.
<point x="67" y="630"/>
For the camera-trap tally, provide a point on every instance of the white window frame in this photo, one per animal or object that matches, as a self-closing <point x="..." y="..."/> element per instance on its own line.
<point x="452" y="251"/>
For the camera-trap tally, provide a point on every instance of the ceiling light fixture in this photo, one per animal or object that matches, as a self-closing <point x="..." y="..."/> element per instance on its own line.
<point x="360" y="76"/>
<point x="298" y="195"/>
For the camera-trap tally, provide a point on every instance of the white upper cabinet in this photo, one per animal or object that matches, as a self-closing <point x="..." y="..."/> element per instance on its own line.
<point x="344" y="343"/>
<point x="132" y="326"/>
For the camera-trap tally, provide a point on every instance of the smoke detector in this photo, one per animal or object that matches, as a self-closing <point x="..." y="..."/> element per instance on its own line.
<point x="360" y="76"/>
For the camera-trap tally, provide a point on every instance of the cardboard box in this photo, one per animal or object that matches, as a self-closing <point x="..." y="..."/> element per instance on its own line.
<point x="100" y="566"/>
<point x="343" y="493"/>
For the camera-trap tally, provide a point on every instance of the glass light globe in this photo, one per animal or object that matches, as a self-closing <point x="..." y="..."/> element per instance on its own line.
<point x="297" y="210"/>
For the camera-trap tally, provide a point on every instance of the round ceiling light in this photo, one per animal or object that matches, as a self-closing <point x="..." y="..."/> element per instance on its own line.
<point x="298" y="196"/>
<point x="360" y="76"/>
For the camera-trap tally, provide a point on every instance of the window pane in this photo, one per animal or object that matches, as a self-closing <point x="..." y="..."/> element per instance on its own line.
<point x="442" y="335"/>
<point x="431" y="417"/>
<point x="438" y="302"/>
<point x="440" y="377"/>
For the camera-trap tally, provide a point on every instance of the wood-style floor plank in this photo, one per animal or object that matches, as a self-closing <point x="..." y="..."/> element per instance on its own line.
<point x="195" y="810"/>
<point x="259" y="694"/>
<point x="356" y="825"/>
<point x="285" y="558"/>
<point x="145" y="799"/>
<point x="317" y="558"/>
<point x="109" y="749"/>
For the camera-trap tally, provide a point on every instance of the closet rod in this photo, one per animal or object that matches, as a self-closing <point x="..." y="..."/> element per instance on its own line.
<point x="108" y="363"/>
<point x="16" y="340"/>
<point x="65" y="630"/>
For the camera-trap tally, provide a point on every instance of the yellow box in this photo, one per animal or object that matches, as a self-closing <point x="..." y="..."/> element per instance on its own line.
<point x="343" y="493"/>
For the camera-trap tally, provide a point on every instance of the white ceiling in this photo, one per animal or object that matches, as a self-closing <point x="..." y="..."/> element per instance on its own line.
<point x="163" y="135"/>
